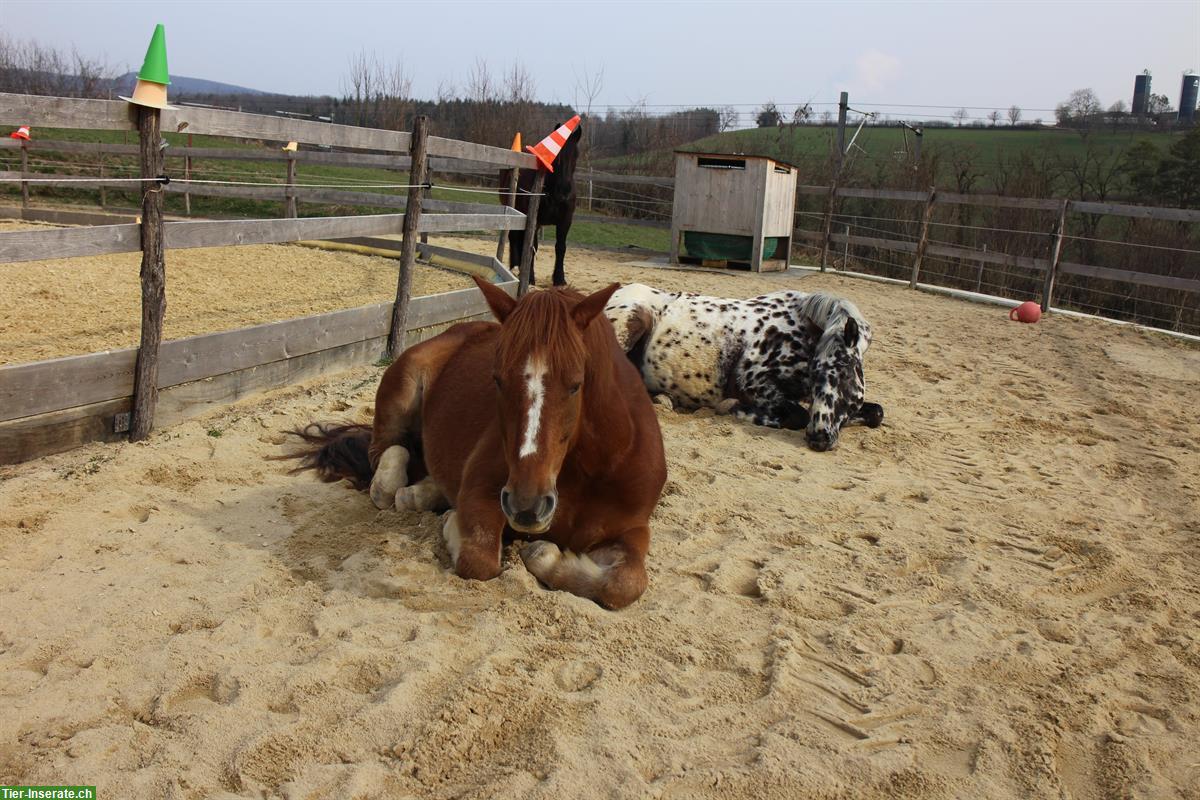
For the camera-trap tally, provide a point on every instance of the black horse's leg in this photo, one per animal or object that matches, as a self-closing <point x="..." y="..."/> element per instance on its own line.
<point x="560" y="247"/>
<point x="516" y="241"/>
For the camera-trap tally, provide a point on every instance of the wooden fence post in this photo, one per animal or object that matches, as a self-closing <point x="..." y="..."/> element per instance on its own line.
<point x="24" y="174"/>
<point x="829" y="223"/>
<point x="531" y="231"/>
<point x="512" y="199"/>
<point x="1060" y="227"/>
<point x="417" y="175"/>
<point x="187" y="175"/>
<point x="923" y="242"/>
<point x="154" y="279"/>
<point x="289" y="209"/>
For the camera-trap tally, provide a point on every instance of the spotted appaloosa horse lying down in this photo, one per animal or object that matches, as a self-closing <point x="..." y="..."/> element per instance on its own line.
<point x="764" y="359"/>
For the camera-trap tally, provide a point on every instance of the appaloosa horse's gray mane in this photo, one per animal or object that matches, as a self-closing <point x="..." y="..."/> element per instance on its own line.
<point x="787" y="359"/>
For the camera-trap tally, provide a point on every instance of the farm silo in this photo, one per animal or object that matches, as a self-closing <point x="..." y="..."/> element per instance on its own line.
<point x="1141" y="93"/>
<point x="1187" y="96"/>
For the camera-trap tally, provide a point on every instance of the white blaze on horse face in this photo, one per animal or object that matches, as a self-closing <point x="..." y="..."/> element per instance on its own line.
<point x="535" y="387"/>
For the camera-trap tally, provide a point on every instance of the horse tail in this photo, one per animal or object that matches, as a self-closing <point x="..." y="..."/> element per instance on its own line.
<point x="335" y="452"/>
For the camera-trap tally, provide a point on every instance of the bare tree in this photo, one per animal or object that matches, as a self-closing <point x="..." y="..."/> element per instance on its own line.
<point x="1014" y="115"/>
<point x="27" y="67"/>
<point x="1079" y="109"/>
<point x="994" y="117"/>
<point x="728" y="118"/>
<point x="588" y="87"/>
<point x="960" y="116"/>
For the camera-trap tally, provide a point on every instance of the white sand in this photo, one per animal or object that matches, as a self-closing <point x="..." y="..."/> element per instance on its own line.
<point x="997" y="595"/>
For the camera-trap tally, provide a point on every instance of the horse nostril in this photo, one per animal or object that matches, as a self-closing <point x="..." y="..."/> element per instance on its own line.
<point x="547" y="505"/>
<point x="506" y="502"/>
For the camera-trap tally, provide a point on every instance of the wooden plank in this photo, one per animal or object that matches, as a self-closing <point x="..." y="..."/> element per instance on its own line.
<point x="59" y="431"/>
<point x="1129" y="276"/>
<point x="67" y="112"/>
<point x="36" y="436"/>
<point x="217" y="122"/>
<point x="219" y="233"/>
<point x="63" y="216"/>
<point x="37" y="245"/>
<point x="819" y="191"/>
<point x="871" y="241"/>
<point x="987" y="257"/>
<point x="996" y="201"/>
<point x="1138" y="212"/>
<point x="71" y="242"/>
<point x="452" y="223"/>
<point x="86" y="148"/>
<point x="884" y="194"/>
<point x="245" y="192"/>
<point x="486" y="154"/>
<point x="43" y="386"/>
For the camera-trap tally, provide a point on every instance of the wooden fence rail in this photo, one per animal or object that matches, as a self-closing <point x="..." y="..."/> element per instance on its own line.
<point x="51" y="405"/>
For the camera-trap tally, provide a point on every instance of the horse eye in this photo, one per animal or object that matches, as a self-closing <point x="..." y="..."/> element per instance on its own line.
<point x="496" y="378"/>
<point x="574" y="388"/>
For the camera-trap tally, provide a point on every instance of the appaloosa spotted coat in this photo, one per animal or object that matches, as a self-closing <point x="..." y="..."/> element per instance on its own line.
<point x="786" y="359"/>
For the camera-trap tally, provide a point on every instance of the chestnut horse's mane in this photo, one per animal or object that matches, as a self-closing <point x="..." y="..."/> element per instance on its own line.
<point x="536" y="325"/>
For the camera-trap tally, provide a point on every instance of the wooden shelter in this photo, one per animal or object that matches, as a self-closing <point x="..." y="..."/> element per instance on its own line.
<point x="735" y="203"/>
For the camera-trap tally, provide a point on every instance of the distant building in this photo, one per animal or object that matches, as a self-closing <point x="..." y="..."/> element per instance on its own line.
<point x="1188" y="92"/>
<point x="1141" y="94"/>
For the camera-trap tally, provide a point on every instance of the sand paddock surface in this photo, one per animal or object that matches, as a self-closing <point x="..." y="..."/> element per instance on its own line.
<point x="65" y="307"/>
<point x="995" y="595"/>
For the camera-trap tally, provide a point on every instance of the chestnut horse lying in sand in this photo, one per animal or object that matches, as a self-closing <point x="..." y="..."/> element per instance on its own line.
<point x="540" y="422"/>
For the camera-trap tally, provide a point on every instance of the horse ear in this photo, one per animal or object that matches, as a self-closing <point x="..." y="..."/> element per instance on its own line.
<point x="850" y="332"/>
<point x="497" y="299"/>
<point x="587" y="308"/>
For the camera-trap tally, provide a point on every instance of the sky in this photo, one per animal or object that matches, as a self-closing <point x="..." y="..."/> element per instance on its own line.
<point x="888" y="56"/>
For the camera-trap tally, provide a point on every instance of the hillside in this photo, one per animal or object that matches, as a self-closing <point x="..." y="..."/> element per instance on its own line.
<point x="879" y="148"/>
<point x="181" y="84"/>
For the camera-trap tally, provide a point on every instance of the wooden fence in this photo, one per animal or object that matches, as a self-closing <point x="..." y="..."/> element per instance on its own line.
<point x="50" y="406"/>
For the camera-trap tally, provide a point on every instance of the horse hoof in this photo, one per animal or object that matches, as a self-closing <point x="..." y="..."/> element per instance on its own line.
<point x="664" y="401"/>
<point x="540" y="556"/>
<point x="390" y="475"/>
<point x="726" y="406"/>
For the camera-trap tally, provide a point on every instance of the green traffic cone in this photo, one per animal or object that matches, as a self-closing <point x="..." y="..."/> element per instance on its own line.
<point x="154" y="68"/>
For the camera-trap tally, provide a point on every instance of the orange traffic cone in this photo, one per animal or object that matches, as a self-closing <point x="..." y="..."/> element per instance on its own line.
<point x="21" y="133"/>
<point x="517" y="142"/>
<point x="547" y="149"/>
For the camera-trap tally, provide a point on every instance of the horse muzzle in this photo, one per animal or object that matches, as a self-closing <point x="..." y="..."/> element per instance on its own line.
<point x="821" y="440"/>
<point x="531" y="513"/>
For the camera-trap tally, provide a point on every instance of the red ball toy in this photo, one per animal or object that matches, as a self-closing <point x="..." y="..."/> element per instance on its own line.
<point x="1028" y="311"/>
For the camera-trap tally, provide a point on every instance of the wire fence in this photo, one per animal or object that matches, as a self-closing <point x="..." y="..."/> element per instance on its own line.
<point x="979" y="235"/>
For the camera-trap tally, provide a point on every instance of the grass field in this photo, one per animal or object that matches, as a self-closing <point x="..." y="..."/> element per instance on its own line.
<point x="809" y="146"/>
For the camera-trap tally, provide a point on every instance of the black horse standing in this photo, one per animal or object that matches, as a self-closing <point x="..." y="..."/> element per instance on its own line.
<point x="557" y="206"/>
